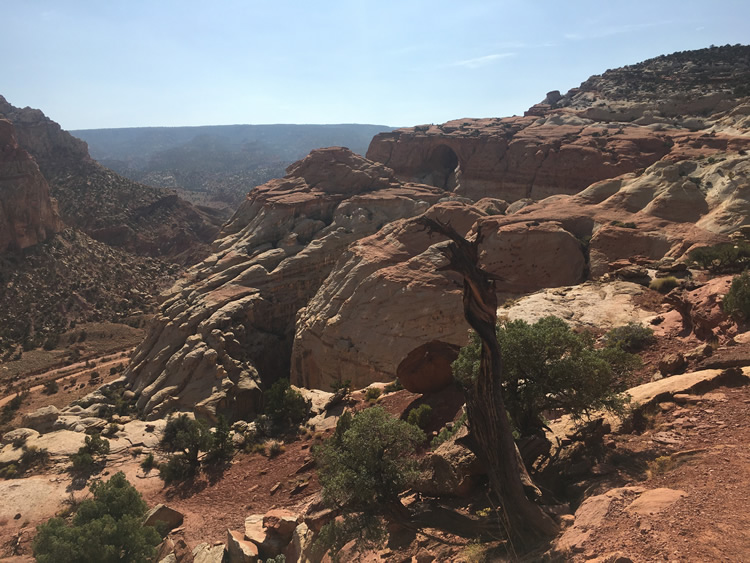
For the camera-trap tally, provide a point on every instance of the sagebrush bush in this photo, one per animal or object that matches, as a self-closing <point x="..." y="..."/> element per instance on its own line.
<point x="737" y="300"/>
<point x="664" y="285"/>
<point x="372" y="394"/>
<point x="631" y="337"/>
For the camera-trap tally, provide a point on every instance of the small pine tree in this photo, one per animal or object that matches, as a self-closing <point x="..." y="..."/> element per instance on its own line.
<point x="105" y="529"/>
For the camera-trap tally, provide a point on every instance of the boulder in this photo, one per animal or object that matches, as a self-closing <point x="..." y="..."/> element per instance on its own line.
<point x="450" y="470"/>
<point x="240" y="550"/>
<point x="41" y="419"/>
<point x="427" y="368"/>
<point x="19" y="435"/>
<point x="301" y="547"/>
<point x="672" y="364"/>
<point x="206" y="553"/>
<point x="655" y="501"/>
<point x="280" y="523"/>
<point x="163" y="518"/>
<point x="589" y="516"/>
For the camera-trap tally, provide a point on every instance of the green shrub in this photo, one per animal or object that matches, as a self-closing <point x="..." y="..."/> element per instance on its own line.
<point x="51" y="387"/>
<point x="148" y="463"/>
<point x="372" y="394"/>
<point x="274" y="448"/>
<point x="188" y="437"/>
<point x="724" y="257"/>
<point x="105" y="529"/>
<point x="631" y="337"/>
<point x="549" y="366"/>
<point x="343" y="385"/>
<point x="737" y="300"/>
<point x="393" y="386"/>
<point x="363" y="468"/>
<point x="177" y="468"/>
<point x="221" y="448"/>
<point x="664" y="285"/>
<point x="32" y="456"/>
<point x="420" y="416"/>
<point x="447" y="433"/>
<point x="91" y="454"/>
<point x="285" y="405"/>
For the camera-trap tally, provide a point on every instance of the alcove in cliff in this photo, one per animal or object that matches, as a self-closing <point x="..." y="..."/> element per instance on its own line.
<point x="441" y="169"/>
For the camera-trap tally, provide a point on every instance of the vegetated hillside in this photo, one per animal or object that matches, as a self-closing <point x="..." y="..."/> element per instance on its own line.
<point x="70" y="279"/>
<point x="686" y="74"/>
<point x="105" y="205"/>
<point x="217" y="164"/>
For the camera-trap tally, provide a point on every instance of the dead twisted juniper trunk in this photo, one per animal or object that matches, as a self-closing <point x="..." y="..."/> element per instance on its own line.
<point x="489" y="426"/>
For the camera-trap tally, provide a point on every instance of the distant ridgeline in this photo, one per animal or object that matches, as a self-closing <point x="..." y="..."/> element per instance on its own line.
<point x="218" y="163"/>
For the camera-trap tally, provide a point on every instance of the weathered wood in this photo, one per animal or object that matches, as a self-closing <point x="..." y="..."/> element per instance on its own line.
<point x="487" y="417"/>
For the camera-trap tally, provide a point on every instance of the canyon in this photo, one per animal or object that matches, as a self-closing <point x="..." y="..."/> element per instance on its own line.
<point x="326" y="278"/>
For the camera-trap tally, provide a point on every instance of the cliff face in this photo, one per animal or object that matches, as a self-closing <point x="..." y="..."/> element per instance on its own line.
<point x="106" y="206"/>
<point x="227" y="328"/>
<point x="28" y="215"/>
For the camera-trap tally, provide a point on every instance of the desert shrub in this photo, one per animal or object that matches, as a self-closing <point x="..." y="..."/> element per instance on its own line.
<point x="51" y="387"/>
<point x="343" y="385"/>
<point x="177" y="468"/>
<point x="32" y="456"/>
<point x="285" y="405"/>
<point x="105" y="529"/>
<point x="737" y="300"/>
<point x="724" y="257"/>
<point x="363" y="468"/>
<point x="274" y="448"/>
<point x="91" y="454"/>
<point x="546" y="366"/>
<point x="372" y="394"/>
<point x="447" y="432"/>
<point x="188" y="437"/>
<point x="51" y="342"/>
<point x="664" y="285"/>
<point x="148" y="462"/>
<point x="221" y="448"/>
<point x="631" y="337"/>
<point x="393" y="386"/>
<point x="10" y="471"/>
<point x="420" y="416"/>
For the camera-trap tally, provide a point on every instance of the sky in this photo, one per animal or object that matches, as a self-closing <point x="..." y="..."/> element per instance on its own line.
<point x="135" y="63"/>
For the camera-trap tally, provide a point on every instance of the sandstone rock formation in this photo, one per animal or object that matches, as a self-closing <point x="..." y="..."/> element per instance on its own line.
<point x="28" y="215"/>
<point x="386" y="299"/>
<point x="227" y="328"/>
<point x="617" y="123"/>
<point x="331" y="257"/>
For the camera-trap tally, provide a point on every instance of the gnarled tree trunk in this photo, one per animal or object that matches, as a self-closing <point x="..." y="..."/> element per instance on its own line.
<point x="488" y="420"/>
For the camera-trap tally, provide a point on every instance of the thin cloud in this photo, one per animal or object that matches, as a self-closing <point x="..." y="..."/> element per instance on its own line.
<point x="480" y="62"/>
<point x="614" y="30"/>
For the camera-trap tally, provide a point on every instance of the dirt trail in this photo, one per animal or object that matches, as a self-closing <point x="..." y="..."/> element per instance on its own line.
<point x="73" y="371"/>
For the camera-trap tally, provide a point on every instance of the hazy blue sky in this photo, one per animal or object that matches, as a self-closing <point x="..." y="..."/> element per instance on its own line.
<point x="117" y="63"/>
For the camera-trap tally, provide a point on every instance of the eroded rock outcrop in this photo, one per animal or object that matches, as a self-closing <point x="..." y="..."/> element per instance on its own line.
<point x="627" y="119"/>
<point x="227" y="328"/>
<point x="387" y="302"/>
<point x="28" y="215"/>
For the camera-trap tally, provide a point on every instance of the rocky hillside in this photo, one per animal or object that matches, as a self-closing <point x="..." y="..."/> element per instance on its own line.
<point x="106" y="206"/>
<point x="28" y="215"/>
<point x="71" y="279"/>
